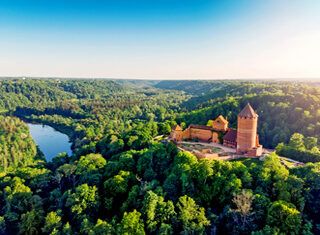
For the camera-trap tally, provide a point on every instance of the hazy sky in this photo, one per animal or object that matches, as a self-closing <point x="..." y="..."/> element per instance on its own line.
<point x="178" y="39"/>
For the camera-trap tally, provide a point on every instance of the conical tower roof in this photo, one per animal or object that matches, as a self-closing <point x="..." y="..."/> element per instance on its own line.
<point x="248" y="112"/>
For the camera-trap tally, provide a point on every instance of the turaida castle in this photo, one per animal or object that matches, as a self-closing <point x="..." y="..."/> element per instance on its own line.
<point x="245" y="139"/>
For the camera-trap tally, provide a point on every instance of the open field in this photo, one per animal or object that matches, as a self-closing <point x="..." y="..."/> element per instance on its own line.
<point x="200" y="147"/>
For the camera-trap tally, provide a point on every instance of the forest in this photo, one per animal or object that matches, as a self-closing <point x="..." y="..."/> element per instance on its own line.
<point x="121" y="180"/>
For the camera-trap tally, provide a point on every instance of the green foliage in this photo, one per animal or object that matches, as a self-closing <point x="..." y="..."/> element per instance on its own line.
<point x="91" y="162"/>
<point x="284" y="216"/>
<point x="2" y="225"/>
<point x="157" y="212"/>
<point x="85" y="200"/>
<point x="192" y="216"/>
<point x="283" y="108"/>
<point x="103" y="228"/>
<point x="118" y="184"/>
<point x="300" y="148"/>
<point x="52" y="222"/>
<point x="120" y="180"/>
<point x="131" y="223"/>
<point x="67" y="229"/>
<point x="17" y="147"/>
<point x="30" y="222"/>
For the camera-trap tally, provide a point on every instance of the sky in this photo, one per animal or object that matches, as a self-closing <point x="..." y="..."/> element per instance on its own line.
<point x="160" y="39"/>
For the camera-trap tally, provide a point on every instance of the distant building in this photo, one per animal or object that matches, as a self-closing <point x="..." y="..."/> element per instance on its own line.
<point x="244" y="139"/>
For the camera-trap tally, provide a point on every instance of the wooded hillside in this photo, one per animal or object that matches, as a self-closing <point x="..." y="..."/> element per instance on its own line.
<point x="121" y="180"/>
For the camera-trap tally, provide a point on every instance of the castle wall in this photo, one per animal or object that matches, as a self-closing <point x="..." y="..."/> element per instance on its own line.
<point x="215" y="137"/>
<point x="186" y="134"/>
<point x="201" y="155"/>
<point x="246" y="134"/>
<point x="229" y="144"/>
<point x="255" y="152"/>
<point x="204" y="135"/>
<point x="176" y="135"/>
<point x="194" y="133"/>
<point x="172" y="134"/>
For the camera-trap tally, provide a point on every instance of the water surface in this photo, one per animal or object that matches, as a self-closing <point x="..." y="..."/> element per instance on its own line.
<point x="50" y="141"/>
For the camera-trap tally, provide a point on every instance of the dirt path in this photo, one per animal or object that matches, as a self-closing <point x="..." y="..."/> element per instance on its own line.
<point x="286" y="158"/>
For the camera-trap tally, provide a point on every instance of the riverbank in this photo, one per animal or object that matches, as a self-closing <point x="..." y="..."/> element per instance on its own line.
<point x="50" y="141"/>
<point x="72" y="135"/>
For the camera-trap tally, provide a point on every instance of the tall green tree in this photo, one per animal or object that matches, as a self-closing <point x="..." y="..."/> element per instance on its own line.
<point x="131" y="223"/>
<point x="284" y="216"/>
<point x="191" y="216"/>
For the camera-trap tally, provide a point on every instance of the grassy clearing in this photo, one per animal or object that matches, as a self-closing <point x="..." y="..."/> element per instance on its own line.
<point x="200" y="147"/>
<point x="287" y="163"/>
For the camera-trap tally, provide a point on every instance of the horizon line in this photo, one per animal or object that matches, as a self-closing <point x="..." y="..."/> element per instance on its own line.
<point x="165" y="79"/>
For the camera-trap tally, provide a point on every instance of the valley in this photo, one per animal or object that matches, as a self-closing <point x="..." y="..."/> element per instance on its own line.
<point x="122" y="169"/>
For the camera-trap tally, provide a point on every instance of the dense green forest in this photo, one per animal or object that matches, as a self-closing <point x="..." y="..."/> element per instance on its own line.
<point x="283" y="108"/>
<point x="121" y="180"/>
<point x="87" y="110"/>
<point x="17" y="147"/>
<point x="305" y="149"/>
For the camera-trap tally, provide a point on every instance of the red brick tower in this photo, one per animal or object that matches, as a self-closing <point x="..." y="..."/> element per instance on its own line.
<point x="247" y="130"/>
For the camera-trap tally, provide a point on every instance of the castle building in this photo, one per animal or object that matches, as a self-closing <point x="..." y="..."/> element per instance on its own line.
<point x="220" y="124"/>
<point x="245" y="139"/>
<point x="230" y="138"/>
<point x="176" y="133"/>
<point x="201" y="132"/>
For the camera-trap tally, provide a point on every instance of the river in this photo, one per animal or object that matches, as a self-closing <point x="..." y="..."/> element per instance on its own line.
<point x="50" y="141"/>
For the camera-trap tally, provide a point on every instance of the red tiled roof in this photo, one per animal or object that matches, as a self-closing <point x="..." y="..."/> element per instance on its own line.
<point x="248" y="112"/>
<point x="231" y="136"/>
